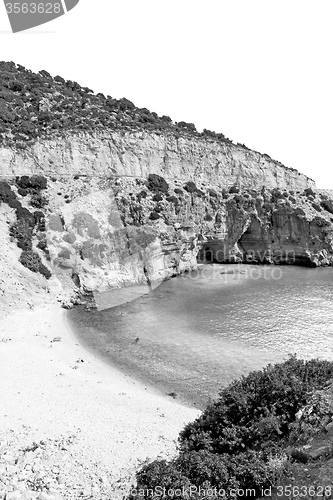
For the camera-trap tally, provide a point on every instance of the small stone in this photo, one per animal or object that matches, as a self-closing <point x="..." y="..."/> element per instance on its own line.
<point x="14" y="495"/>
<point x="44" y="496"/>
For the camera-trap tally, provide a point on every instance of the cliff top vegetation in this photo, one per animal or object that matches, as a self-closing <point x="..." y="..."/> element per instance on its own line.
<point x="38" y="105"/>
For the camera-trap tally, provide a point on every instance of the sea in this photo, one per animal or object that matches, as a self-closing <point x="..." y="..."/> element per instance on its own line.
<point x="192" y="335"/>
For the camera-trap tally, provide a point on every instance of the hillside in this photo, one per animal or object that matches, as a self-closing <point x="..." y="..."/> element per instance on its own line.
<point x="58" y="126"/>
<point x="98" y="194"/>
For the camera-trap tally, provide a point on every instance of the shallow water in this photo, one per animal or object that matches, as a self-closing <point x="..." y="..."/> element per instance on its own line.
<point x="194" y="334"/>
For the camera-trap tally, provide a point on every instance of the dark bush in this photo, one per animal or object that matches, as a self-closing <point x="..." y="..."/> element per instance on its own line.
<point x="276" y="195"/>
<point x="179" y="191"/>
<point x="6" y="194"/>
<point x="276" y="393"/>
<point x="208" y="217"/>
<point x="316" y="207"/>
<point x="157" y="184"/>
<point x="234" y="189"/>
<point x="38" y="201"/>
<point x="212" y="193"/>
<point x="190" y="187"/>
<point x="22" y="232"/>
<point x="157" y="197"/>
<point x="225" y="194"/>
<point x="309" y="192"/>
<point x="42" y="245"/>
<point x="154" y="215"/>
<point x="32" y="261"/>
<point x="39" y="220"/>
<point x="187" y="126"/>
<point x="222" y="448"/>
<point x="173" y="199"/>
<point x="37" y="182"/>
<point x="22" y="191"/>
<point x="327" y="205"/>
<point x="24" y="214"/>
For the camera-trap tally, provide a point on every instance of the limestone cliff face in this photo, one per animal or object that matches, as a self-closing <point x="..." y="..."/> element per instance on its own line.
<point x="124" y="208"/>
<point x="118" y="232"/>
<point x="138" y="154"/>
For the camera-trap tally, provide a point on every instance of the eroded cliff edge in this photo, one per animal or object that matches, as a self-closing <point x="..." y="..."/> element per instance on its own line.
<point x="122" y="208"/>
<point x="96" y="193"/>
<point x="140" y="153"/>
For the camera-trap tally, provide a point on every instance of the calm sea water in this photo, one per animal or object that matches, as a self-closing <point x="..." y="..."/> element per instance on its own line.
<point x="192" y="335"/>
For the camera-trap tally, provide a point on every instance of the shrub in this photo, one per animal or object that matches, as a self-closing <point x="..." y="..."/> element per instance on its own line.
<point x="42" y="245"/>
<point x="276" y="195"/>
<point x="208" y="217"/>
<point x="24" y="214"/>
<point x="32" y="261"/>
<point x="316" y="207"/>
<point x="173" y="199"/>
<point x="154" y="215"/>
<point x="157" y="197"/>
<point x="7" y="195"/>
<point x="234" y="189"/>
<point x="327" y="205"/>
<point x="157" y="184"/>
<point x="277" y="392"/>
<point x="22" y="232"/>
<point x="309" y="192"/>
<point x="37" y="182"/>
<point x="38" y="201"/>
<point x="222" y="448"/>
<point x="190" y="187"/>
<point x="212" y="193"/>
<point x="179" y="191"/>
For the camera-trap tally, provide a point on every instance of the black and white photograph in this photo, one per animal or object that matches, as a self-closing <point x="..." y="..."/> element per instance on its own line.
<point x="166" y="250"/>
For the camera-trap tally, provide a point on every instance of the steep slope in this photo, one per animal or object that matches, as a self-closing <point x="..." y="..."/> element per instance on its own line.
<point x="103" y="194"/>
<point x="139" y="153"/>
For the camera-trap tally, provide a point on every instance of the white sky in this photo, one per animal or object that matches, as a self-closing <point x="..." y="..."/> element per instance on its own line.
<point x="259" y="71"/>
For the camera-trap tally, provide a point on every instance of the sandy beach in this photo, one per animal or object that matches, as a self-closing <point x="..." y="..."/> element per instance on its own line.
<point x="53" y="389"/>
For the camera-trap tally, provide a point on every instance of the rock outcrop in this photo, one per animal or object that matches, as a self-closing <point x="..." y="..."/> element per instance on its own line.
<point x="111" y="230"/>
<point x="134" y="198"/>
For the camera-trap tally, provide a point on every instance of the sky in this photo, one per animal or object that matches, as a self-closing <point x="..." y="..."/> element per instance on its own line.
<point x="259" y="71"/>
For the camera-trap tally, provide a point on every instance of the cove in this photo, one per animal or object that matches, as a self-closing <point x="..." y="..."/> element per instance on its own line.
<point x="193" y="334"/>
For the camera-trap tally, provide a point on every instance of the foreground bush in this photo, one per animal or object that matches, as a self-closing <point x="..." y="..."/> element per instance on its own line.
<point x="32" y="261"/>
<point x="231" y="445"/>
<point x="256" y="408"/>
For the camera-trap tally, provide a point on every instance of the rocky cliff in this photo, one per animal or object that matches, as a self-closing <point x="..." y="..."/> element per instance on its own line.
<point x="101" y="194"/>
<point x="140" y="153"/>
<point x="107" y="232"/>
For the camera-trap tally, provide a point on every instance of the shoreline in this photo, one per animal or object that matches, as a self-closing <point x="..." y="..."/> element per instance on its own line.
<point x="51" y="387"/>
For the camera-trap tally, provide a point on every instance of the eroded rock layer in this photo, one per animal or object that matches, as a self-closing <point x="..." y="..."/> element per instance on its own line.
<point x="125" y="208"/>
